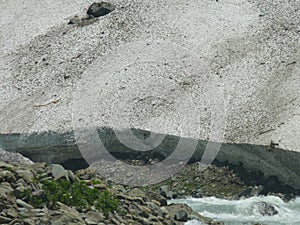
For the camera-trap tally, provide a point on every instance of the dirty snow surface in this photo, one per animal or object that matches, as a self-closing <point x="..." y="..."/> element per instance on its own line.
<point x="224" y="70"/>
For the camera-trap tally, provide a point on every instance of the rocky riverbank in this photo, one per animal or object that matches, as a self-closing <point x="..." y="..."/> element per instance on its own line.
<point x="222" y="181"/>
<point x="40" y="194"/>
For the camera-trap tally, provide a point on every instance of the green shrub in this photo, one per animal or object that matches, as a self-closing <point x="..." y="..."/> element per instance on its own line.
<point x="107" y="203"/>
<point x="76" y="193"/>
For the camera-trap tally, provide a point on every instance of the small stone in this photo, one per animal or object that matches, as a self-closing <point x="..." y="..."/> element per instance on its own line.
<point x="181" y="216"/>
<point x="163" y="190"/>
<point x="138" y="200"/>
<point x="119" y="218"/>
<point x="18" y="192"/>
<point x="144" y="211"/>
<point x="154" y="161"/>
<point x="6" y="175"/>
<point x="86" y="21"/>
<point x="12" y="213"/>
<point x="74" y="20"/>
<point x="100" y="186"/>
<point x="119" y="188"/>
<point x="16" y="222"/>
<point x="155" y="202"/>
<point x="5" y="188"/>
<point x="100" y="9"/>
<point x="94" y="216"/>
<point x="154" y="208"/>
<point x="68" y="215"/>
<point x="114" y="220"/>
<point x="89" y="222"/>
<point x="179" y="212"/>
<point x="153" y="219"/>
<point x="72" y="176"/>
<point x="28" y="221"/>
<point x="162" y="200"/>
<point x="137" y="193"/>
<point x="55" y="213"/>
<point x="265" y="209"/>
<point x="26" y="175"/>
<point x="58" y="171"/>
<point x="41" y="214"/>
<point x="38" y="193"/>
<point x="164" y="211"/>
<point x="6" y="166"/>
<point x="171" y="195"/>
<point x="21" y="182"/>
<point x="4" y="220"/>
<point x="3" y="206"/>
<point x="250" y="191"/>
<point x="128" y="217"/>
<point x="38" y="168"/>
<point x="24" y="204"/>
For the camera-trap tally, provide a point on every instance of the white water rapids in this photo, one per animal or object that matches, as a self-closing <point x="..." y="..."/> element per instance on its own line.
<point x="237" y="212"/>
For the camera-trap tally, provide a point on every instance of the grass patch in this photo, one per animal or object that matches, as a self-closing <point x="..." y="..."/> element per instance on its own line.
<point x="8" y="168"/>
<point x="72" y="193"/>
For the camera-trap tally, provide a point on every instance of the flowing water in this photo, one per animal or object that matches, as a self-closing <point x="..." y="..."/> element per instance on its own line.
<point x="244" y="212"/>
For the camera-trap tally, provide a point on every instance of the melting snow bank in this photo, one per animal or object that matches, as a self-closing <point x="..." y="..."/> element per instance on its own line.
<point x="244" y="211"/>
<point x="13" y="158"/>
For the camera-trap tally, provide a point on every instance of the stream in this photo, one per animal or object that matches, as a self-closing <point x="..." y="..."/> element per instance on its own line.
<point x="245" y="211"/>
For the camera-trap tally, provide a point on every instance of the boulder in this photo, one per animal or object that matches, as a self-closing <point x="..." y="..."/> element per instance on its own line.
<point x="266" y="209"/>
<point x="68" y="216"/>
<point x="181" y="216"/>
<point x="163" y="190"/>
<point x="251" y="191"/>
<point x="157" y="197"/>
<point x="100" y="9"/>
<point x="95" y="217"/>
<point x="179" y="212"/>
<point x="26" y="175"/>
<point x="58" y="171"/>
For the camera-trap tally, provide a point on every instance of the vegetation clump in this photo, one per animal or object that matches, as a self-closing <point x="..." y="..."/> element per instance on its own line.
<point x="74" y="193"/>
